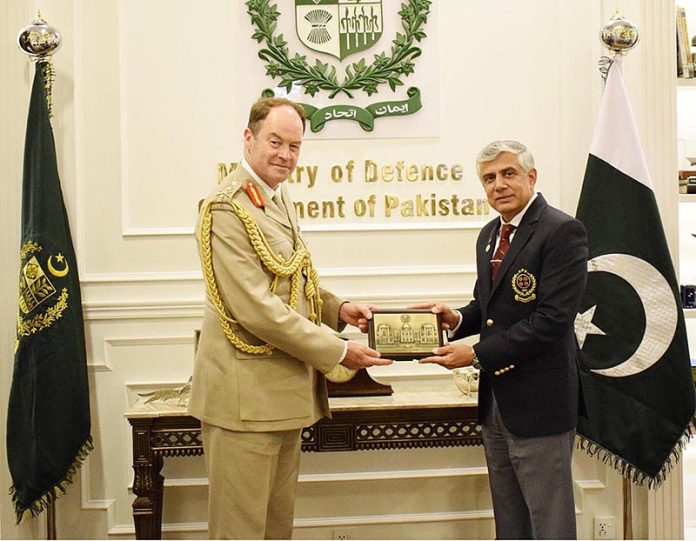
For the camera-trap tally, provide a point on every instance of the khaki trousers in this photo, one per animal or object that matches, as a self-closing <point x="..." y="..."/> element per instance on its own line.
<point x="252" y="480"/>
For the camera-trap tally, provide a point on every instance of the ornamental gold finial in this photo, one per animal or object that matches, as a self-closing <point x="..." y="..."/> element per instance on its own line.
<point x="39" y="39"/>
<point x="619" y="35"/>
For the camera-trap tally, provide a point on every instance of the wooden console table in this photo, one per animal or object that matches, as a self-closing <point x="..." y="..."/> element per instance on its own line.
<point x="401" y="421"/>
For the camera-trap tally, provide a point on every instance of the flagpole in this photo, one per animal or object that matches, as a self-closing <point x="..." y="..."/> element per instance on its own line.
<point x="40" y="41"/>
<point x="627" y="509"/>
<point x="620" y="35"/>
<point x="51" y="532"/>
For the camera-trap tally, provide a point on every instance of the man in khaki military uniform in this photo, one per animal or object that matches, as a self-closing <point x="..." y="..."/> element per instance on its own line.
<point x="258" y="376"/>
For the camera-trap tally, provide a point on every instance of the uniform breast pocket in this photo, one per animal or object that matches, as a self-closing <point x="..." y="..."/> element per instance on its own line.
<point x="282" y="247"/>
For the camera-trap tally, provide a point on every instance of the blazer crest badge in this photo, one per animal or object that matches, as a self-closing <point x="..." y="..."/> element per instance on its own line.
<point x="524" y="285"/>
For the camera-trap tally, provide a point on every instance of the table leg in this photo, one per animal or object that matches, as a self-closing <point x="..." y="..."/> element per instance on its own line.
<point x="158" y="493"/>
<point x="147" y="486"/>
<point x="144" y="506"/>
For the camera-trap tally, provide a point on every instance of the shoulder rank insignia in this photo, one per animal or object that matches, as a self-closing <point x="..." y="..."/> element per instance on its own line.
<point x="227" y="190"/>
<point x="254" y="194"/>
<point x="524" y="285"/>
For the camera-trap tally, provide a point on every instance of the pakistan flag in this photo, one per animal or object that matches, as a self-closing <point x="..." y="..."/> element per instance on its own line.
<point x="633" y="359"/>
<point x="48" y="421"/>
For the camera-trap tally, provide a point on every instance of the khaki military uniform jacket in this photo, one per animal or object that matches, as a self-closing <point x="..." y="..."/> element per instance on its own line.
<point x="242" y="391"/>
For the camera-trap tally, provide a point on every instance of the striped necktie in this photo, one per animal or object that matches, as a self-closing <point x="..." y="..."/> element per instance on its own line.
<point x="499" y="254"/>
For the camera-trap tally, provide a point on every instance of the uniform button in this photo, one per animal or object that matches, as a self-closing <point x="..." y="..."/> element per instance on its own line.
<point x="489" y="323"/>
<point x="512" y="366"/>
<point x="497" y="372"/>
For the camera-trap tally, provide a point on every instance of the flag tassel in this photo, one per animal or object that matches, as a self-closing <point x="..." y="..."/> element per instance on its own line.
<point x="41" y="503"/>
<point x="631" y="472"/>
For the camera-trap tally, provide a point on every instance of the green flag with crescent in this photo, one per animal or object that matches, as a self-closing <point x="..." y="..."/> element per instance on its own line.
<point x="633" y="353"/>
<point x="48" y="418"/>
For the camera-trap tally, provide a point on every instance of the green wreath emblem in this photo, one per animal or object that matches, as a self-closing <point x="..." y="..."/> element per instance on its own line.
<point x="386" y="69"/>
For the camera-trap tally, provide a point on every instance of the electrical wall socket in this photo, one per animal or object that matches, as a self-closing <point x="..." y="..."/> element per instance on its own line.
<point x="342" y="534"/>
<point x="604" y="528"/>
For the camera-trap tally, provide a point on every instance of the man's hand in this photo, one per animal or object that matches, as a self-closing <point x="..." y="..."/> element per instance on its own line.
<point x="452" y="356"/>
<point x="356" y="314"/>
<point x="450" y="318"/>
<point x="360" y="356"/>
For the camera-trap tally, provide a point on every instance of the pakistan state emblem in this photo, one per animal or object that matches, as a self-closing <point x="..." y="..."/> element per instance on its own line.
<point x="340" y="29"/>
<point x="40" y="303"/>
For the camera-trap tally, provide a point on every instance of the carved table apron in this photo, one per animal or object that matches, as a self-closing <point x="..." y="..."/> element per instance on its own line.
<point x="402" y="421"/>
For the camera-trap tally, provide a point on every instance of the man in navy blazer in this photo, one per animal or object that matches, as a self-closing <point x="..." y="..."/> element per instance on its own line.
<point x="529" y="392"/>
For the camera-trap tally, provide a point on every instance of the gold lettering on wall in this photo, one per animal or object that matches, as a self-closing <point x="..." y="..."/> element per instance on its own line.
<point x="417" y="206"/>
<point x="329" y="209"/>
<point x="420" y="206"/>
<point x="429" y="206"/>
<point x="403" y="172"/>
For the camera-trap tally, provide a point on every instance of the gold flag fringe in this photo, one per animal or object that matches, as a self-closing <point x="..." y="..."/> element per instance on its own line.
<point x="41" y="503"/>
<point x="631" y="472"/>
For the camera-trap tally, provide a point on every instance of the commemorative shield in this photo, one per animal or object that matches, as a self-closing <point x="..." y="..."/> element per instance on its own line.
<point x="338" y="27"/>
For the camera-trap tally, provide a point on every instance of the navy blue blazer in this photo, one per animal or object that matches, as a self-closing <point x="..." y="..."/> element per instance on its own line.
<point x="525" y="320"/>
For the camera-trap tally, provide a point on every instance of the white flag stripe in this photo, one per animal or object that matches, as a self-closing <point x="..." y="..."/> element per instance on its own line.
<point x="616" y="138"/>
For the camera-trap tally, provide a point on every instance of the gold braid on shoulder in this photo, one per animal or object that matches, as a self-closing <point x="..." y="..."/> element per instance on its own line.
<point x="299" y="262"/>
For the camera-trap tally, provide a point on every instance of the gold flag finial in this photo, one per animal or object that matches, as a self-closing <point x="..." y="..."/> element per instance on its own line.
<point x="619" y="35"/>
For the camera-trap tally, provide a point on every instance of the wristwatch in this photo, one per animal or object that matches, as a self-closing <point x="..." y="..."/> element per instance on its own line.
<point x="477" y="363"/>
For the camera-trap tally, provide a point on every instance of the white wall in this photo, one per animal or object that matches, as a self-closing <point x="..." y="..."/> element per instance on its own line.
<point x="147" y="101"/>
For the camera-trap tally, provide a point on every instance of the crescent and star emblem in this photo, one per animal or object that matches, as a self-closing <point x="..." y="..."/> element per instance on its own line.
<point x="60" y="258"/>
<point x="661" y="312"/>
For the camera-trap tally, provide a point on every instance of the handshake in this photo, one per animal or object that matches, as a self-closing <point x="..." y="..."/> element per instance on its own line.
<point x="416" y="332"/>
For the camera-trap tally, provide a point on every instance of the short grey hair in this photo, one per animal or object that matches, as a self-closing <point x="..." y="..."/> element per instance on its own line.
<point x="492" y="150"/>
